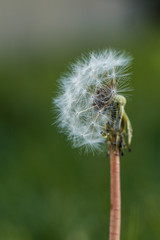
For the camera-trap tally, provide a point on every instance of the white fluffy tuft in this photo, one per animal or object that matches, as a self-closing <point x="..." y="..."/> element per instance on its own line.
<point x="82" y="112"/>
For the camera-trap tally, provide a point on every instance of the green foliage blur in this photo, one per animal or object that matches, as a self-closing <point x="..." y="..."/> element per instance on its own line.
<point x="49" y="191"/>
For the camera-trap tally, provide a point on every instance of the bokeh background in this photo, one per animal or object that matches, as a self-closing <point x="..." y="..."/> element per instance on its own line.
<point x="49" y="191"/>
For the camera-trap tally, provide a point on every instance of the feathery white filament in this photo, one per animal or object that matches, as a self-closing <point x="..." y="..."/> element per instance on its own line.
<point x="83" y="104"/>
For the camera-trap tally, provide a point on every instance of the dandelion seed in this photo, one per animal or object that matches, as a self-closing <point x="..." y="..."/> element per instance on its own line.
<point x="88" y="95"/>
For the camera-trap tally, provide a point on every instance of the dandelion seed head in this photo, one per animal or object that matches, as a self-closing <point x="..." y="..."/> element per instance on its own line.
<point x="83" y="104"/>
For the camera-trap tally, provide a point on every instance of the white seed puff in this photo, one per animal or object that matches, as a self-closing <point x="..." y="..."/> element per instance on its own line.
<point x="82" y="103"/>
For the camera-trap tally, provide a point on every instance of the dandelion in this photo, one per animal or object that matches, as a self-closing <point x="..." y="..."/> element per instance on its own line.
<point x="91" y="113"/>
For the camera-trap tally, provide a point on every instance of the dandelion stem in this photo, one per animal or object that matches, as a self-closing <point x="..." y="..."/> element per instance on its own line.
<point x="115" y="211"/>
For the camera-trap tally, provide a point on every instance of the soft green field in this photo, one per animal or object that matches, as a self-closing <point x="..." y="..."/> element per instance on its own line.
<point x="48" y="191"/>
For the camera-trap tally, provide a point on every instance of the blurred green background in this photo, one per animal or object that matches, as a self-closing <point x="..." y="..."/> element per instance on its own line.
<point x="49" y="191"/>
